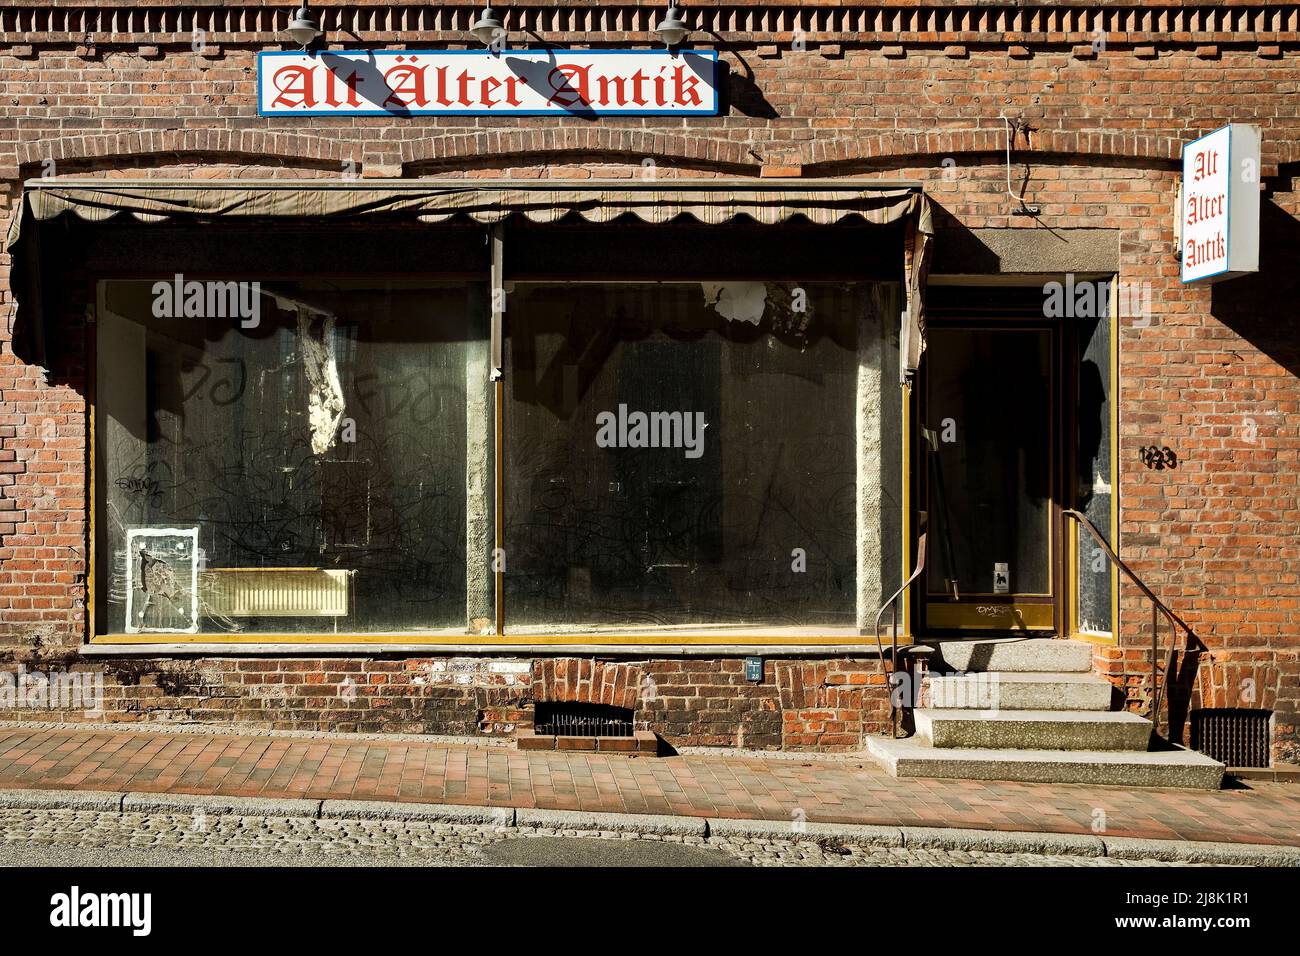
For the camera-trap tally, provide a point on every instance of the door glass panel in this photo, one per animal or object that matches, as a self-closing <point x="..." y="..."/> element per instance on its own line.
<point x="989" y="418"/>
<point x="1093" y="480"/>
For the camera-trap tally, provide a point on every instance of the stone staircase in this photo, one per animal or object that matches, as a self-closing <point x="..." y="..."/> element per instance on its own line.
<point x="1032" y="710"/>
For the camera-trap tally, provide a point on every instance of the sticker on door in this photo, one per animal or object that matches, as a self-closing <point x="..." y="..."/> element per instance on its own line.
<point x="1001" y="578"/>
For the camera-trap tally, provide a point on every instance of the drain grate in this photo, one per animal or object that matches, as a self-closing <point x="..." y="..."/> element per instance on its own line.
<point x="582" y="720"/>
<point x="1236" y="736"/>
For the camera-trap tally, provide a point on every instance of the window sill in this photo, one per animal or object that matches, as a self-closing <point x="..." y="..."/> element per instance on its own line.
<point x="1094" y="637"/>
<point x="771" y="643"/>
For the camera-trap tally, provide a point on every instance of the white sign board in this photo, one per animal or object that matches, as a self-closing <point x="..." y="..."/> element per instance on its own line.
<point x="1220" y="209"/>
<point x="488" y="83"/>
<point x="162" y="580"/>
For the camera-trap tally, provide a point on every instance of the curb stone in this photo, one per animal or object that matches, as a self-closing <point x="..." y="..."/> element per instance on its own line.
<point x="855" y="833"/>
<point x="1232" y="854"/>
<point x="988" y="841"/>
<point x="212" y="803"/>
<point x="61" y="800"/>
<point x="999" y="841"/>
<point x="617" y="822"/>
<point x="428" y="812"/>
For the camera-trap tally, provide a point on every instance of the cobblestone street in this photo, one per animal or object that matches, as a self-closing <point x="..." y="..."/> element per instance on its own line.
<point x="73" y="837"/>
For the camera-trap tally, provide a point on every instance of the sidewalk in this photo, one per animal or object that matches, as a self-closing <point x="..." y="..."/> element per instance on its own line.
<point x="852" y="790"/>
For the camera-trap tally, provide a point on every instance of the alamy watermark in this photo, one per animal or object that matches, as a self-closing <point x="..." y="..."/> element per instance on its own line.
<point x="177" y="298"/>
<point x="53" y="690"/>
<point x="73" y="909"/>
<point x="962" y="690"/>
<point x="1090" y="299"/>
<point x="624" y="429"/>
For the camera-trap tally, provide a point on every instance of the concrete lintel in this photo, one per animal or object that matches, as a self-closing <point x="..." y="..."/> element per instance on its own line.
<point x="1028" y="250"/>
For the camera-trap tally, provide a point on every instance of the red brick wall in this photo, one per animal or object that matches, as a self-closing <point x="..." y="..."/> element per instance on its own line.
<point x="1217" y="536"/>
<point x="800" y="704"/>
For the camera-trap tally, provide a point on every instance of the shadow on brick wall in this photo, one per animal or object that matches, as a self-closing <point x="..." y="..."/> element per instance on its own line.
<point x="1261" y="308"/>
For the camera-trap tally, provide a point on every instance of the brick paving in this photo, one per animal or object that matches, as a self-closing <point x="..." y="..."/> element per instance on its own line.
<point x="828" y="791"/>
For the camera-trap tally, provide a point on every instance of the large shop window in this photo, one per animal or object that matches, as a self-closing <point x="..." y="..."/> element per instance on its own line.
<point x="298" y="464"/>
<point x="710" y="454"/>
<point x="683" y="453"/>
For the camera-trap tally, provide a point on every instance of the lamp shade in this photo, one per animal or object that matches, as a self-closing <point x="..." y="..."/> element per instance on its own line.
<point x="672" y="29"/>
<point x="487" y="27"/>
<point x="303" y="27"/>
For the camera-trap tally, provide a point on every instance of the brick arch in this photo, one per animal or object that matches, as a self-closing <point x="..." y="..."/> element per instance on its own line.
<point x="533" y="145"/>
<point x="583" y="680"/>
<point x="295" y="149"/>
<point x="884" y="148"/>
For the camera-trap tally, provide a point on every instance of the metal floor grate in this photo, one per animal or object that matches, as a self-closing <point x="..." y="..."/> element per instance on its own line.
<point x="582" y="720"/>
<point x="1236" y="736"/>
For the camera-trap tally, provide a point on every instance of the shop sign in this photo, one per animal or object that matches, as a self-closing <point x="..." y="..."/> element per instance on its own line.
<point x="486" y="83"/>
<point x="1219" y="222"/>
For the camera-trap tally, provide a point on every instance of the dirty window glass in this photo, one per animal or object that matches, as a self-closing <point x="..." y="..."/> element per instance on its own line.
<point x="1094" y="492"/>
<point x="683" y="453"/>
<point x="285" y="458"/>
<point x="988" y="469"/>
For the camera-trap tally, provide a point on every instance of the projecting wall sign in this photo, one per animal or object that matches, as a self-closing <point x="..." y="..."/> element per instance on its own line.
<point x="1220" y="207"/>
<point x="484" y="83"/>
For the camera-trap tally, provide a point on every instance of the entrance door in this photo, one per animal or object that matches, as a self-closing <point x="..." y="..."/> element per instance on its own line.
<point x="986" y="473"/>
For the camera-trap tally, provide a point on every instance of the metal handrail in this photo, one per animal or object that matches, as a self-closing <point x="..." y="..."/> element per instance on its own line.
<point x="1158" y="607"/>
<point x="891" y="605"/>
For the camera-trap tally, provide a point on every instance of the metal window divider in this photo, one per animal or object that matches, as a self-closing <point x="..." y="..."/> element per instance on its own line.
<point x="497" y="295"/>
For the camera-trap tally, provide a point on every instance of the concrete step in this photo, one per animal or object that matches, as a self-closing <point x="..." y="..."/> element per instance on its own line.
<point x="1014" y="654"/>
<point x="1182" y="769"/>
<point x="1033" y="729"/>
<point x="1012" y="690"/>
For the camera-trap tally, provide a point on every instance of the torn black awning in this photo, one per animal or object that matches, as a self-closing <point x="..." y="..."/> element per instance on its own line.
<point x="822" y="202"/>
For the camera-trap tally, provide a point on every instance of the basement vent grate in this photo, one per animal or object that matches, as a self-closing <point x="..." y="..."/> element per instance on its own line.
<point x="582" y="720"/>
<point x="1236" y="736"/>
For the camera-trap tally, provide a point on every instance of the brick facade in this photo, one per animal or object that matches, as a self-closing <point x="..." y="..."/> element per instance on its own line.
<point x="891" y="89"/>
